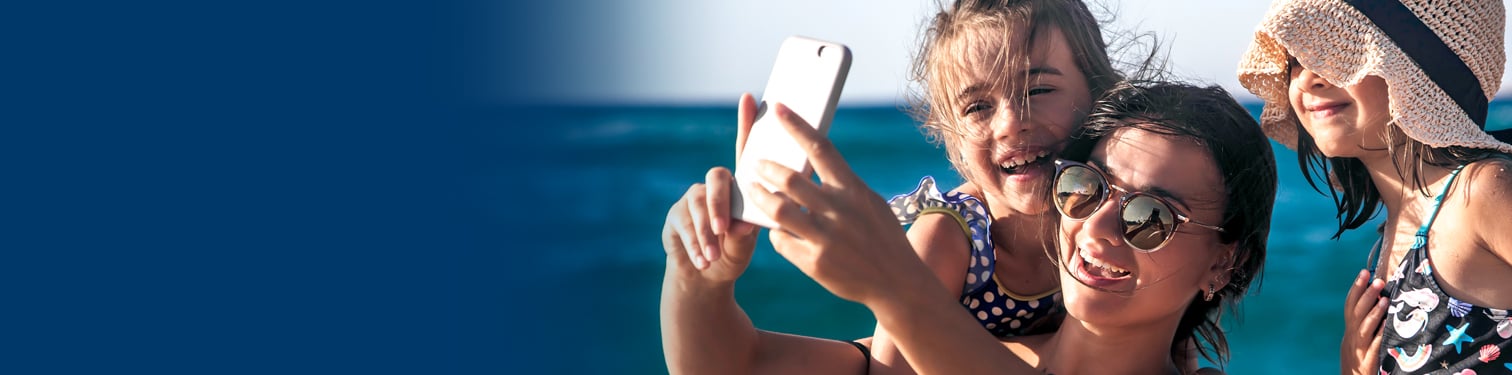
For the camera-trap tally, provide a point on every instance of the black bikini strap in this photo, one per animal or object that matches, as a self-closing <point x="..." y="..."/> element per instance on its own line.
<point x="866" y="354"/>
<point x="1435" y="58"/>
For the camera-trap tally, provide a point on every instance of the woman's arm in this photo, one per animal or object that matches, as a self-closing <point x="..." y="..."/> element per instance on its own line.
<point x="940" y="242"/>
<point x="844" y="236"/>
<point x="940" y="337"/>
<point x="704" y="330"/>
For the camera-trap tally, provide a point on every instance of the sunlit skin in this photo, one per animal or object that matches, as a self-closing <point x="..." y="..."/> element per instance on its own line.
<point x="1160" y="282"/>
<point x="999" y="131"/>
<point x="1023" y="117"/>
<point x="1142" y="309"/>
<point x="1344" y="121"/>
<point x="1472" y="263"/>
<point x="1347" y="122"/>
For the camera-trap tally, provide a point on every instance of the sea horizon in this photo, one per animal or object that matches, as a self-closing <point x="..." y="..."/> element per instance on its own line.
<point x="620" y="167"/>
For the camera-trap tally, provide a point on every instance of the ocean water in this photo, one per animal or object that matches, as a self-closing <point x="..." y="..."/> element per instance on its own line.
<point x="591" y="243"/>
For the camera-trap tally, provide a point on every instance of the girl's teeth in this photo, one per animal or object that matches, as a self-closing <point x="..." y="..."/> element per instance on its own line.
<point x="1020" y="162"/>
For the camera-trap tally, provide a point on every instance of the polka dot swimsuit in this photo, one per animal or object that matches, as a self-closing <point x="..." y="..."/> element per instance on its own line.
<point x="999" y="310"/>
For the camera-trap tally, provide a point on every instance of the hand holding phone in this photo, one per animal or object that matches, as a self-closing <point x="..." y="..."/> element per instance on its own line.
<point x="807" y="78"/>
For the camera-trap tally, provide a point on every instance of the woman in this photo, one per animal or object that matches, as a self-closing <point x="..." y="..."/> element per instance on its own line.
<point x="1136" y="290"/>
<point x="1006" y="85"/>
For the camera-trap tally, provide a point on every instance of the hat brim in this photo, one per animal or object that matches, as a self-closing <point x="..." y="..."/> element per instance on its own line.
<point x="1339" y="44"/>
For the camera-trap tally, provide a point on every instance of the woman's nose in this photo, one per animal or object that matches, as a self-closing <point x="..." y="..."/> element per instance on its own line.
<point x="1106" y="223"/>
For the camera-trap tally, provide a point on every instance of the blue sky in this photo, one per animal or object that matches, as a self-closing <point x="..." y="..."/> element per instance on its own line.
<point x="700" y="52"/>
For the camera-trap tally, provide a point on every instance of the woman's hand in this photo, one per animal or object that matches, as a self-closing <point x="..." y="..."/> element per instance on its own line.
<point x="839" y="232"/>
<point x="699" y="232"/>
<point x="1364" y="308"/>
<point x="695" y="236"/>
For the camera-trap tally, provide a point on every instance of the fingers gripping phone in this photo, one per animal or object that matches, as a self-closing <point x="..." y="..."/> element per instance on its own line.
<point x="807" y="78"/>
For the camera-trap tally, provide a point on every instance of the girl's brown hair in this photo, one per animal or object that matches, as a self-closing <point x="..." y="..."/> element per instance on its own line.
<point x="949" y="36"/>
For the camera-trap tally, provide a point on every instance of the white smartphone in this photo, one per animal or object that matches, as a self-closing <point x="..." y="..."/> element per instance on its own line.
<point x="807" y="78"/>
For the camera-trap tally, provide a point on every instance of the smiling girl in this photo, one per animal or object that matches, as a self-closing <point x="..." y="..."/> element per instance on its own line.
<point x="1387" y="102"/>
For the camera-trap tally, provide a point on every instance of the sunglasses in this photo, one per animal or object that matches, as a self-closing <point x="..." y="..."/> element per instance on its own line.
<point x="1149" y="221"/>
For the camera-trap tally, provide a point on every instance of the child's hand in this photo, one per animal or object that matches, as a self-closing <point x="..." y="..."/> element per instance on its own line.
<point x="840" y="232"/>
<point x="699" y="231"/>
<point x="1364" y="308"/>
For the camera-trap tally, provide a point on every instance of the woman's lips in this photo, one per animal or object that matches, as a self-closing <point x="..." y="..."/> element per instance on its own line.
<point x="1098" y="278"/>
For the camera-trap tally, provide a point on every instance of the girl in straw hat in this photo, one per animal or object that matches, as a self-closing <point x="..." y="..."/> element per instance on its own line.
<point x="1386" y="100"/>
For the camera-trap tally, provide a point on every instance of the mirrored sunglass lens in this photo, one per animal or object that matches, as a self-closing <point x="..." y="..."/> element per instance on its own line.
<point x="1147" y="222"/>
<point x="1078" y="192"/>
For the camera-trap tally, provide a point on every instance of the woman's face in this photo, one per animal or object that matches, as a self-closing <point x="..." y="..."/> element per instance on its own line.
<point x="1013" y="128"/>
<point x="1108" y="282"/>
<point x="1343" y="121"/>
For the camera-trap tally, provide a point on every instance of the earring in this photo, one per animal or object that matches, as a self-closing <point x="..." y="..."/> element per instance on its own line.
<point x="1210" y="291"/>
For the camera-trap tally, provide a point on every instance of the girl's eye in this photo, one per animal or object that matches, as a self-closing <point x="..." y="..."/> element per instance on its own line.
<point x="1040" y="90"/>
<point x="1291" y="62"/>
<point x="976" y="107"/>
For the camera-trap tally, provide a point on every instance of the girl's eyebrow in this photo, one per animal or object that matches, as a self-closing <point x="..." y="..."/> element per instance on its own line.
<point x="1044" y="70"/>
<point x="966" y="93"/>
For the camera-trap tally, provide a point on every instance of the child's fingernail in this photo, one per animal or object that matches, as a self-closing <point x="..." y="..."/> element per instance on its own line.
<point x="698" y="262"/>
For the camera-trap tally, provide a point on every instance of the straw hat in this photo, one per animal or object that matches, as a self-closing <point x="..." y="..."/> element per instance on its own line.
<point x="1439" y="87"/>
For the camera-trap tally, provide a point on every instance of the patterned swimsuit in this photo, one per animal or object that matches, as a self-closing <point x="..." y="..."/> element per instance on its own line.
<point x="1428" y="331"/>
<point x="999" y="310"/>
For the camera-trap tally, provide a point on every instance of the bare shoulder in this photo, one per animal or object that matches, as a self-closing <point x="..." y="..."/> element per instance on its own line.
<point x="1486" y="190"/>
<point x="942" y="243"/>
<point x="1491" y="176"/>
<point x="936" y="235"/>
<point x="1486" y="195"/>
<point x="942" y="235"/>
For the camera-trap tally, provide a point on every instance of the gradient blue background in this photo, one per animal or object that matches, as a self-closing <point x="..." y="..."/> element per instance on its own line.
<point x="369" y="187"/>
<point x="258" y="187"/>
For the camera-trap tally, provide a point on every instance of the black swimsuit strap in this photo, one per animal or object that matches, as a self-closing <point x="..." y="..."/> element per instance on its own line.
<point x="865" y="354"/>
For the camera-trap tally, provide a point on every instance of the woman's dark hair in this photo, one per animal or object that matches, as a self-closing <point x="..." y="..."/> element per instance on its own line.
<point x="1210" y="117"/>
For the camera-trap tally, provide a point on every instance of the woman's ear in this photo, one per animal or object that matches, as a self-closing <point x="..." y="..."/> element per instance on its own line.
<point x="1222" y="269"/>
